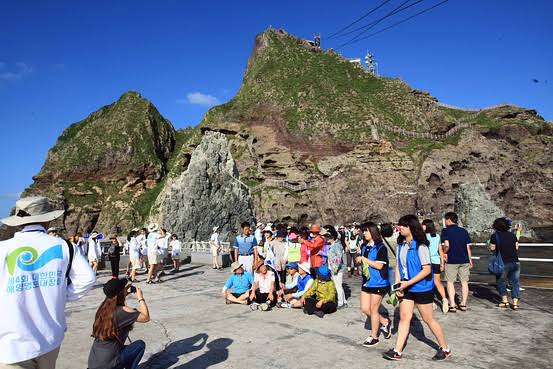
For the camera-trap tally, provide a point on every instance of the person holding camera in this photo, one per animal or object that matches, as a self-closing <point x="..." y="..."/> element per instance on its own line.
<point x="114" y="320"/>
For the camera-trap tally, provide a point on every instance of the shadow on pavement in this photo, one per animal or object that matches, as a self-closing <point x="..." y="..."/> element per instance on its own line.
<point x="485" y="293"/>
<point x="217" y="353"/>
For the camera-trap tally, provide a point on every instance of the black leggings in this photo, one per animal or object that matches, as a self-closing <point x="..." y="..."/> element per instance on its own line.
<point x="310" y="306"/>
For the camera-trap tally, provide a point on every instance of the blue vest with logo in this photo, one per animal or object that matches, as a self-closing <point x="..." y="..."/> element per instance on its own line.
<point x="414" y="267"/>
<point x="379" y="278"/>
<point x="303" y="281"/>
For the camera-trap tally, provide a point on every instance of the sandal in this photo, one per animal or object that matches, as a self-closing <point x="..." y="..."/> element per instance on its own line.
<point x="452" y="309"/>
<point x="514" y="306"/>
<point x="503" y="305"/>
<point x="462" y="307"/>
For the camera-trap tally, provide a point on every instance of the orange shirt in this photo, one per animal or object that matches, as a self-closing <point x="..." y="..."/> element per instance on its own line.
<point x="314" y="247"/>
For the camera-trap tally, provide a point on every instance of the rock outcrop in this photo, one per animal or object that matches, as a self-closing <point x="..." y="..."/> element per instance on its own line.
<point x="209" y="193"/>
<point x="104" y="170"/>
<point x="475" y="209"/>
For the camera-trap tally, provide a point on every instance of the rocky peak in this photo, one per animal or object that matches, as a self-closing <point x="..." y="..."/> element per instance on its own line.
<point x="209" y="193"/>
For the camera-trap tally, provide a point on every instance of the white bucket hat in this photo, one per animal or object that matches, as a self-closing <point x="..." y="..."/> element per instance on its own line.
<point x="29" y="210"/>
<point x="305" y="267"/>
<point x="153" y="227"/>
<point x="215" y="229"/>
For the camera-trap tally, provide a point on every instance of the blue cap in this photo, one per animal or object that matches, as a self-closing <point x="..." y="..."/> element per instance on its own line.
<point x="323" y="272"/>
<point x="292" y="265"/>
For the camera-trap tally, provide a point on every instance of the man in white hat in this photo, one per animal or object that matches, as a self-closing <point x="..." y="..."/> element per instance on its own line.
<point x="38" y="274"/>
<point x="240" y="282"/>
<point x="153" y="252"/>
<point x="215" y="246"/>
<point x="94" y="251"/>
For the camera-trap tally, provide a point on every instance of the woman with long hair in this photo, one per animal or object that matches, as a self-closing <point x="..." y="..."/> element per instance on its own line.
<point x="375" y="284"/>
<point x="437" y="258"/>
<point x="415" y="287"/>
<point x="112" y="324"/>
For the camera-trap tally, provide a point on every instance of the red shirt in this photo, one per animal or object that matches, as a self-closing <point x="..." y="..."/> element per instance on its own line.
<point x="314" y="247"/>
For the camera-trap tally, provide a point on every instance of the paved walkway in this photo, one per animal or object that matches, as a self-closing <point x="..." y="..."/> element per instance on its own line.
<point x="191" y="327"/>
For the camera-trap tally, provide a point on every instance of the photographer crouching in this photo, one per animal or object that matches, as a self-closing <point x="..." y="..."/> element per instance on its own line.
<point x="114" y="320"/>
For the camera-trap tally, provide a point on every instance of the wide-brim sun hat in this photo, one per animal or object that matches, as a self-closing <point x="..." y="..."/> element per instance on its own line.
<point x="30" y="210"/>
<point x="235" y="266"/>
<point x="259" y="224"/>
<point x="305" y="267"/>
<point x="267" y="229"/>
<point x="94" y="235"/>
<point x="153" y="227"/>
<point x="215" y="229"/>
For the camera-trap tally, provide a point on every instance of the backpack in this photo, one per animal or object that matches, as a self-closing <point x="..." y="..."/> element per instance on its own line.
<point x="495" y="261"/>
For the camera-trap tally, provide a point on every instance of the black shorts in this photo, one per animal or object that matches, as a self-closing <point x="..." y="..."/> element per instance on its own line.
<point x="237" y="295"/>
<point x="376" y="290"/>
<point x="421" y="298"/>
<point x="436" y="269"/>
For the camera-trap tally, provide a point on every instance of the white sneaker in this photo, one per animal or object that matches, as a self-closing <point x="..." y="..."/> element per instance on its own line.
<point x="445" y="306"/>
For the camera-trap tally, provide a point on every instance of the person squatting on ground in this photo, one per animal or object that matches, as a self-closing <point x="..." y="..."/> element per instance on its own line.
<point x="112" y="324"/>
<point x="437" y="258"/>
<point x="416" y="287"/>
<point x="33" y="303"/>
<point x="320" y="299"/>
<point x="263" y="290"/>
<point x="237" y="289"/>
<point x="374" y="263"/>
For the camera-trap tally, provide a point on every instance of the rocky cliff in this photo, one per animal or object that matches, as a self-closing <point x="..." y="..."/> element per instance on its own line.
<point x="315" y="138"/>
<point x="208" y="193"/>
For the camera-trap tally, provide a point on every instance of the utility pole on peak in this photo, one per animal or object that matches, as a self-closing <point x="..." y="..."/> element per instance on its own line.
<point x="317" y="40"/>
<point x="372" y="65"/>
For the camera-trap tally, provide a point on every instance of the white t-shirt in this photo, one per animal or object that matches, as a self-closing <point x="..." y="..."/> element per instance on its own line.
<point x="264" y="281"/>
<point x="34" y="291"/>
<point x="175" y="247"/>
<point x="94" y="249"/>
<point x="215" y="239"/>
<point x="134" y="248"/>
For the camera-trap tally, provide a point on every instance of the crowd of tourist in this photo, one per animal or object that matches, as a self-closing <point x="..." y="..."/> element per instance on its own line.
<point x="274" y="266"/>
<point x="303" y="268"/>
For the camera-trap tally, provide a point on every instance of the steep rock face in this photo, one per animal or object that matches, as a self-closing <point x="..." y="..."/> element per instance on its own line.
<point x="209" y="193"/>
<point x="513" y="166"/>
<point x="475" y="209"/>
<point x="104" y="169"/>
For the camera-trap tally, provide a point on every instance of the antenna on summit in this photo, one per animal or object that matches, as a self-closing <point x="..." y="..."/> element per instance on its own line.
<point x="372" y="65"/>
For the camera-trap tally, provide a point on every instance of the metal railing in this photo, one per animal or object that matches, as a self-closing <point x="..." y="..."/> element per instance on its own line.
<point x="541" y="260"/>
<point x="203" y="246"/>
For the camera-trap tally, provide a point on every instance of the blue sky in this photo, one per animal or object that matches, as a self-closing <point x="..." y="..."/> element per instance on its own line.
<point x="61" y="60"/>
